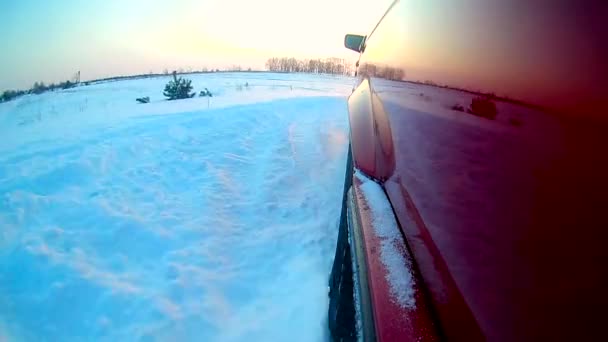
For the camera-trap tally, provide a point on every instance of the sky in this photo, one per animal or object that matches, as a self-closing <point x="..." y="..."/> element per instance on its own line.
<point x="51" y="40"/>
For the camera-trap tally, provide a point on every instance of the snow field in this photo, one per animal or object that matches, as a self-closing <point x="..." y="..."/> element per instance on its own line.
<point x="171" y="220"/>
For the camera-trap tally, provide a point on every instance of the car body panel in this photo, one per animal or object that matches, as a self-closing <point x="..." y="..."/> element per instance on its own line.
<point x="370" y="134"/>
<point x="504" y="217"/>
<point x="402" y="315"/>
<point x="513" y="215"/>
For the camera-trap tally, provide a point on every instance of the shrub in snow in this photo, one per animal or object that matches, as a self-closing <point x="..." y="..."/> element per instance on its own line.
<point x="143" y="99"/>
<point x="205" y="93"/>
<point x="178" y="88"/>
<point x="458" y="107"/>
<point x="484" y="107"/>
<point x="515" y="122"/>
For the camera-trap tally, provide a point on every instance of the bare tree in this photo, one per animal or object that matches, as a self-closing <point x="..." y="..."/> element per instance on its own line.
<point x="335" y="66"/>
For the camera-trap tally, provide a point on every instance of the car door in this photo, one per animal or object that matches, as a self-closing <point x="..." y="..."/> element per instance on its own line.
<point x="485" y="122"/>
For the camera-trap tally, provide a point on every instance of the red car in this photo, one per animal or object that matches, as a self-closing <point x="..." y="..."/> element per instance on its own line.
<point x="476" y="194"/>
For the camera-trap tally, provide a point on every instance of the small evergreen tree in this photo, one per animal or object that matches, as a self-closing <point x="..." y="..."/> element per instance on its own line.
<point x="178" y="88"/>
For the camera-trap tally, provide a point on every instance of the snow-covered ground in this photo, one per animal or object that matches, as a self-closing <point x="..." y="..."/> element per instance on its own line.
<point x="172" y="221"/>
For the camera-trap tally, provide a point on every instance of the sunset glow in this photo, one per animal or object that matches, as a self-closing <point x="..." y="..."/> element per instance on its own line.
<point x="50" y="41"/>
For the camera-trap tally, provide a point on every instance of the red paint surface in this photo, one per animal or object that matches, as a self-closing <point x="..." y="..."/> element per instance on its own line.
<point x="506" y="218"/>
<point x="507" y="224"/>
<point x="392" y="321"/>
<point x="370" y="134"/>
<point x="362" y="129"/>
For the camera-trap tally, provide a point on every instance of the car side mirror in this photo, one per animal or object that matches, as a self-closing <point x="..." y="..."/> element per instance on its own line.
<point x="354" y="42"/>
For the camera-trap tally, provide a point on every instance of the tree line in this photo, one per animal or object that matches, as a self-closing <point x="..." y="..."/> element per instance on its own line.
<point x="334" y="66"/>
<point x="382" y="71"/>
<point x="40" y="87"/>
<point x="37" y="88"/>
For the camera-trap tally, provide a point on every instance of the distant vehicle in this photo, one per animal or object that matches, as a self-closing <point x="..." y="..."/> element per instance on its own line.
<point x="476" y="193"/>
